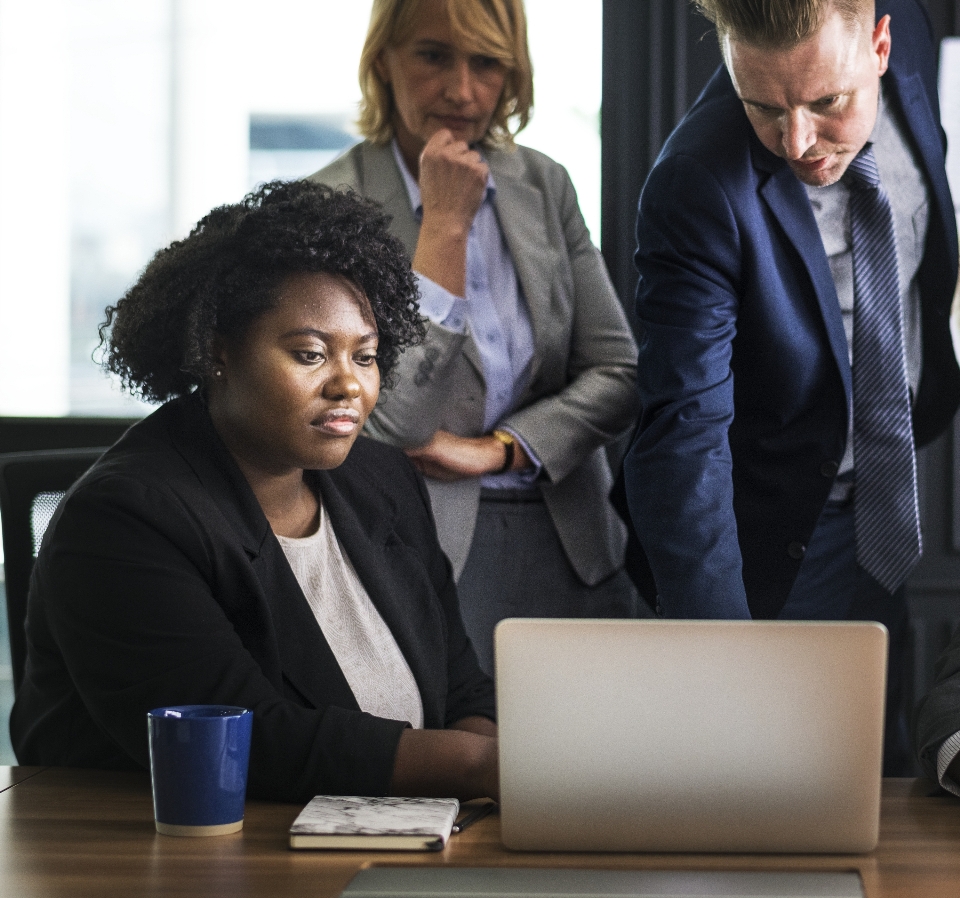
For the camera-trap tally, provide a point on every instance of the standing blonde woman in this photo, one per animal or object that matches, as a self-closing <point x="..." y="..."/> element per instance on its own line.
<point x="527" y="369"/>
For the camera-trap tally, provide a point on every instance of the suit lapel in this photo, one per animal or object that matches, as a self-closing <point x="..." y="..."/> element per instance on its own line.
<point x="787" y="201"/>
<point x="363" y="518"/>
<point x="911" y="98"/>
<point x="522" y="216"/>
<point x="306" y="659"/>
<point x="194" y="436"/>
<point x="381" y="180"/>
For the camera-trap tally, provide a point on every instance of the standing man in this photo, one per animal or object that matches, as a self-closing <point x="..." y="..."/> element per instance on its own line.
<point x="797" y="256"/>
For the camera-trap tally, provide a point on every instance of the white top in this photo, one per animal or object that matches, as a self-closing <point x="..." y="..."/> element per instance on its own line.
<point x="368" y="655"/>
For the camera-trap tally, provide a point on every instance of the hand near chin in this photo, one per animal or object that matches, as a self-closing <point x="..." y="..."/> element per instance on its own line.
<point x="450" y="457"/>
<point x="453" y="180"/>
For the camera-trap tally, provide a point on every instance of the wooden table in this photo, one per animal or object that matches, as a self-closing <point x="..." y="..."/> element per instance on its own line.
<point x="81" y="832"/>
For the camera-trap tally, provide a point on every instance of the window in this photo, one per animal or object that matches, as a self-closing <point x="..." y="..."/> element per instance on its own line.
<point x="123" y="123"/>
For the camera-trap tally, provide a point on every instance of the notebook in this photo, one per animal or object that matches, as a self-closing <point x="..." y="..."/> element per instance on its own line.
<point x="706" y="736"/>
<point x="345" y="822"/>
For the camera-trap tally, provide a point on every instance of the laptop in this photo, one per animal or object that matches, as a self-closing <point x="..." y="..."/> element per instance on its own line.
<point x="690" y="736"/>
<point x="506" y="882"/>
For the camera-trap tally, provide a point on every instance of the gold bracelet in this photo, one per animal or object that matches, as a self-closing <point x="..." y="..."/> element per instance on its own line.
<point x="510" y="445"/>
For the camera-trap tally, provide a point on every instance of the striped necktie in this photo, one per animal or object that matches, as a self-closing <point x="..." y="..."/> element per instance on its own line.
<point x="886" y="511"/>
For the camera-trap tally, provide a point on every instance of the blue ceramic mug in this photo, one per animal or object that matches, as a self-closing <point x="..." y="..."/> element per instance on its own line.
<point x="199" y="756"/>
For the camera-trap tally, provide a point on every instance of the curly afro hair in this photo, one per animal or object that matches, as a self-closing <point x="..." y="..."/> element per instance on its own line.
<point x="227" y="273"/>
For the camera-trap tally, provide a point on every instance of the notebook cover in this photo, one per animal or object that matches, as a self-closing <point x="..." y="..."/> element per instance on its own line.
<point x="383" y="824"/>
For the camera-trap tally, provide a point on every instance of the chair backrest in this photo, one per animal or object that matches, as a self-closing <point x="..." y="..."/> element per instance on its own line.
<point x="31" y="487"/>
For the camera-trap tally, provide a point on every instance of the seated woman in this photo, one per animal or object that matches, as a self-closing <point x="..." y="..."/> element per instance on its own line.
<point x="243" y="545"/>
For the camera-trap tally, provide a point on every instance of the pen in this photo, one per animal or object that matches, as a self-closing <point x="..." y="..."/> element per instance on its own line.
<point x="474" y="816"/>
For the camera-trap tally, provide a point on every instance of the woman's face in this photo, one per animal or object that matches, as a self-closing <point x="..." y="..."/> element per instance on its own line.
<point x="437" y="85"/>
<point x="295" y="390"/>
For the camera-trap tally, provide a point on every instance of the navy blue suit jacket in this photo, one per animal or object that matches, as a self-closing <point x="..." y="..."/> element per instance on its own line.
<point x="743" y="367"/>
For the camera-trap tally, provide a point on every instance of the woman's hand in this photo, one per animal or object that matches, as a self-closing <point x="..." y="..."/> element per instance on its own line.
<point x="449" y="457"/>
<point x="461" y="762"/>
<point x="453" y="180"/>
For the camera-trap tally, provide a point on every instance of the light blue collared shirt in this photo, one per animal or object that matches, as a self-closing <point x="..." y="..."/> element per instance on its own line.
<point x="494" y="312"/>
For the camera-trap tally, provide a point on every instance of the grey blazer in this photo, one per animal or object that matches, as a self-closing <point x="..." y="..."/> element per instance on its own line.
<point x="582" y="390"/>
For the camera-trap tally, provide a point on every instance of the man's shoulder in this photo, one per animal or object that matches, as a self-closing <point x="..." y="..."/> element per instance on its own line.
<point x="715" y="132"/>
<point x="906" y="15"/>
<point x="912" y="48"/>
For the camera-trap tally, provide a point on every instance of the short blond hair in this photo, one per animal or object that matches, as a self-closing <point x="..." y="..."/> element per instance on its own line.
<point x="494" y="28"/>
<point x="779" y="23"/>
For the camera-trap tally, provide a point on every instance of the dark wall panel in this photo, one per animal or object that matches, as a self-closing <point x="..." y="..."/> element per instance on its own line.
<point x="658" y="55"/>
<point x="945" y="17"/>
<point x="28" y="434"/>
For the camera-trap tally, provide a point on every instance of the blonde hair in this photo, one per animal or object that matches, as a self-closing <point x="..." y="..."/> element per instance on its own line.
<point x="494" y="28"/>
<point x="779" y="23"/>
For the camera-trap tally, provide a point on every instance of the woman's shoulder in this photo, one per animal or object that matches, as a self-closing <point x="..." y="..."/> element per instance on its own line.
<point x="531" y="167"/>
<point x="519" y="158"/>
<point x="166" y="486"/>
<point x="169" y="460"/>
<point x="345" y="169"/>
<point x="352" y="167"/>
<point x="534" y="158"/>
<point x="142" y="454"/>
<point x="131" y="494"/>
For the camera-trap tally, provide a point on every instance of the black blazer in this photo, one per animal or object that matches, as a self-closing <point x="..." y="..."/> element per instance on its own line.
<point x="160" y="582"/>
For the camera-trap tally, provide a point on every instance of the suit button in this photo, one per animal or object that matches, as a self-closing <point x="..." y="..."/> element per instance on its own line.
<point x="796" y="550"/>
<point x="829" y="469"/>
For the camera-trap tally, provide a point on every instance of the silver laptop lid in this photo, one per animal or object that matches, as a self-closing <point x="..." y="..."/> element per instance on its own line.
<point x="690" y="735"/>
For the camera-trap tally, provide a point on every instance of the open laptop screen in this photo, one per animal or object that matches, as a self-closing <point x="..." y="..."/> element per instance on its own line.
<point x="690" y="735"/>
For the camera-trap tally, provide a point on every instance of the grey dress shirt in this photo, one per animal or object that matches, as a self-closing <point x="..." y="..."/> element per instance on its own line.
<point x="909" y="198"/>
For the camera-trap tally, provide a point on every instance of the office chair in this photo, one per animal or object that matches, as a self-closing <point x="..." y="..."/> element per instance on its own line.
<point x="31" y="487"/>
